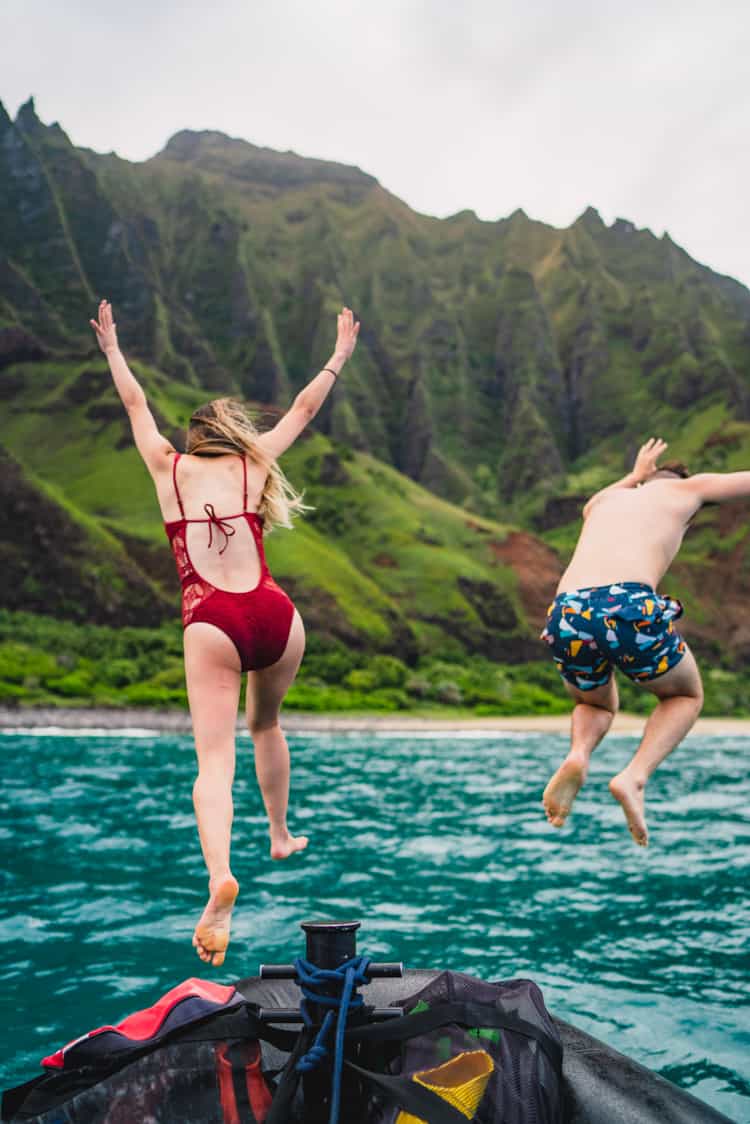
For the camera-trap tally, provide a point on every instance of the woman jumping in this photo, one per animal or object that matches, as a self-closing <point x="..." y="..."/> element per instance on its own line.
<point x="236" y="618"/>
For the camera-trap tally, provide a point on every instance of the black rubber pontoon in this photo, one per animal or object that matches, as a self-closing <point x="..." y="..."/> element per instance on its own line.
<point x="604" y="1087"/>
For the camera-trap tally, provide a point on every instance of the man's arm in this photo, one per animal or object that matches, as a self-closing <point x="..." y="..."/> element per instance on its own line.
<point x="643" y="467"/>
<point x="715" y="487"/>
<point x="153" y="447"/>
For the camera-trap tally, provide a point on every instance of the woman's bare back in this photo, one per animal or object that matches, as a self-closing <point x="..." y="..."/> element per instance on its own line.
<point x="222" y="549"/>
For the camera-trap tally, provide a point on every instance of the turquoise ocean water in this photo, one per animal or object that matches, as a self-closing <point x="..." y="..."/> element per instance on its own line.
<point x="437" y="842"/>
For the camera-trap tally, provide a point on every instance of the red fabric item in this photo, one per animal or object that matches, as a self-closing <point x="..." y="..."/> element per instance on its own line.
<point x="144" y="1024"/>
<point x="257" y="622"/>
<point x="258" y="1092"/>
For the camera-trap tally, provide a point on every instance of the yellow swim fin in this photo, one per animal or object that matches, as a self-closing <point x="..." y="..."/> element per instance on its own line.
<point x="461" y="1082"/>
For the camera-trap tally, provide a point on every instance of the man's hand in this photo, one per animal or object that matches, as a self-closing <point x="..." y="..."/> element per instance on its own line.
<point x="105" y="328"/>
<point x="645" y="463"/>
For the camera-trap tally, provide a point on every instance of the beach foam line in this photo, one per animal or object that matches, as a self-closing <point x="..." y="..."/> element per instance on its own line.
<point x="83" y="731"/>
<point x="147" y="723"/>
<point x="460" y="735"/>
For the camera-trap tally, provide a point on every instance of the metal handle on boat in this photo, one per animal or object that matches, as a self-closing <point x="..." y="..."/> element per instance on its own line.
<point x="390" y="970"/>
<point x="386" y="971"/>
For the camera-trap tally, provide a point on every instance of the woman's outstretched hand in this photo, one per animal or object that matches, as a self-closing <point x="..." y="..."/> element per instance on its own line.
<point x="348" y="330"/>
<point x="105" y="328"/>
<point x="309" y="400"/>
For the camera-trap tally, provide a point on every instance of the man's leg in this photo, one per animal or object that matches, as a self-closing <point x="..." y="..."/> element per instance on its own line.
<point x="590" y="721"/>
<point x="680" y="694"/>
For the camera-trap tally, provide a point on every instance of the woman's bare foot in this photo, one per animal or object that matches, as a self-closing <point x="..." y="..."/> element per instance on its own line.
<point x="283" y="844"/>
<point x="630" y="794"/>
<point x="562" y="790"/>
<point x="211" y="935"/>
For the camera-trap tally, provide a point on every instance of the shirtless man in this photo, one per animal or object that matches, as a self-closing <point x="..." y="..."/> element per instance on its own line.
<point x="607" y="614"/>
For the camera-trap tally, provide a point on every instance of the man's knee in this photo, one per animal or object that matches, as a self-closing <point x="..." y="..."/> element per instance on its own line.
<point x="690" y="695"/>
<point x="697" y="698"/>
<point x="691" y="701"/>
<point x="609" y="708"/>
<point x="689" y="685"/>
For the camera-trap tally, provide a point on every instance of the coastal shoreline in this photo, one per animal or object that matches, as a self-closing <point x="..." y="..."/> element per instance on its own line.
<point x="177" y="721"/>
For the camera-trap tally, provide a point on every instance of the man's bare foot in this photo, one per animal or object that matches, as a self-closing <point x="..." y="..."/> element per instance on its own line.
<point x="630" y="794"/>
<point x="211" y="935"/>
<point x="562" y="790"/>
<point x="283" y="845"/>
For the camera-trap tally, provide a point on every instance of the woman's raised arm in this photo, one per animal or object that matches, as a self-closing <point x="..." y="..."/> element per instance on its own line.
<point x="309" y="400"/>
<point x="153" y="447"/>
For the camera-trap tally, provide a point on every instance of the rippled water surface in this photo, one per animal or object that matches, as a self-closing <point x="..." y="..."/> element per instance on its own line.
<point x="436" y="842"/>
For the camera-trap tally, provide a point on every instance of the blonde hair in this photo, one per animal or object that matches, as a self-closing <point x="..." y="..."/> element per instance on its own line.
<point x="224" y="426"/>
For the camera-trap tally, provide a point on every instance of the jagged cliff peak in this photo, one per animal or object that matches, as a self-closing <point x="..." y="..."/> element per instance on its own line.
<point x="213" y="151"/>
<point x="26" y="117"/>
<point x="30" y="124"/>
<point x="624" y="226"/>
<point x="590" y="218"/>
<point x="462" y="215"/>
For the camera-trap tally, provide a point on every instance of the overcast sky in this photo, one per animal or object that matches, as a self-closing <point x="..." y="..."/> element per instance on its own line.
<point x="639" y="109"/>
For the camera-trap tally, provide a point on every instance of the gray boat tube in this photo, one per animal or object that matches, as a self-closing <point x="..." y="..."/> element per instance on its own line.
<point x="603" y="1087"/>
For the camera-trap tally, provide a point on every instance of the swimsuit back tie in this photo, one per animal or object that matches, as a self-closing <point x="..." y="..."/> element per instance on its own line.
<point x="222" y="525"/>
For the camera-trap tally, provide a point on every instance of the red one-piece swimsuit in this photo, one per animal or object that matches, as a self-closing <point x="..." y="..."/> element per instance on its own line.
<point x="257" y="621"/>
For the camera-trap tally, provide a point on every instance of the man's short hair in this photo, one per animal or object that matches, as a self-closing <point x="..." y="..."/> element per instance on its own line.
<point x="677" y="468"/>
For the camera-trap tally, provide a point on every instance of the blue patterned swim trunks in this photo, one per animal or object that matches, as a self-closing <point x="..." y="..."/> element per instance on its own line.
<point x="625" y="625"/>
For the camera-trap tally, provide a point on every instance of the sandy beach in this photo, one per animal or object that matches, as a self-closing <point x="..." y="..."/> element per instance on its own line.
<point x="176" y="721"/>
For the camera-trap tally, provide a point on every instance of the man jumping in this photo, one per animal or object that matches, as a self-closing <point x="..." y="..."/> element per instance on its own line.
<point x="608" y="614"/>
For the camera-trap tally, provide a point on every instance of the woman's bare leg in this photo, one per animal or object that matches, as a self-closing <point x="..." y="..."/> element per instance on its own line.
<point x="680" y="694"/>
<point x="590" y="721"/>
<point x="212" y="670"/>
<point x="265" y="694"/>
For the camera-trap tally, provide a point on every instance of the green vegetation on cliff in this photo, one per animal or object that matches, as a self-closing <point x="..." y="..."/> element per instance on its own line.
<point x="48" y="662"/>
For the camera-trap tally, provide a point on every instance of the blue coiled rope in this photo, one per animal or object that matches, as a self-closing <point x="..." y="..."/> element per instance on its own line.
<point x="314" y="982"/>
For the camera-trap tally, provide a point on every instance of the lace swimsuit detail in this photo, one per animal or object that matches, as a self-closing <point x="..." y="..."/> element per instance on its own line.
<point x="257" y="621"/>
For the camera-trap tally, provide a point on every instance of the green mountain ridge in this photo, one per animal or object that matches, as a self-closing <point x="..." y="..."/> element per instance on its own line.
<point x="505" y="369"/>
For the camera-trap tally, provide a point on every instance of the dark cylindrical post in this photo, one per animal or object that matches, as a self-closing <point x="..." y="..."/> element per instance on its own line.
<point x="329" y="944"/>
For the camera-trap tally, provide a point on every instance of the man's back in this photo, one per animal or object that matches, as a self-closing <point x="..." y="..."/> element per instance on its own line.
<point x="631" y="534"/>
